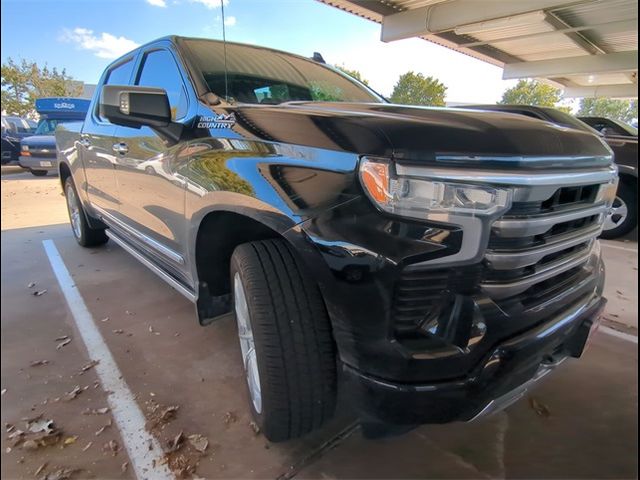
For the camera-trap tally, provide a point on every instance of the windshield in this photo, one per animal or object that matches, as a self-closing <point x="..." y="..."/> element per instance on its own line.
<point x="614" y="127"/>
<point x="260" y="75"/>
<point x="17" y="124"/>
<point x="47" y="126"/>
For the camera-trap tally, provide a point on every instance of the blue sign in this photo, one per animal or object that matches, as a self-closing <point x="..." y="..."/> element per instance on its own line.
<point x="62" y="107"/>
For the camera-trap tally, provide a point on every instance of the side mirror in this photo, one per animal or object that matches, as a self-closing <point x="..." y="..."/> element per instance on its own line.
<point x="134" y="106"/>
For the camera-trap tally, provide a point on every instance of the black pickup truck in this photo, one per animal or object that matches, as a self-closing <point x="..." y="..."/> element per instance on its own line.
<point x="436" y="261"/>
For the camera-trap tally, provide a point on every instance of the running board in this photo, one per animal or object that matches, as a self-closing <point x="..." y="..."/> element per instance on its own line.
<point x="181" y="288"/>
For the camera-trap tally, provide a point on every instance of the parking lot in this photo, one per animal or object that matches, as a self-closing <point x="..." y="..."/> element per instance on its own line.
<point x="188" y="382"/>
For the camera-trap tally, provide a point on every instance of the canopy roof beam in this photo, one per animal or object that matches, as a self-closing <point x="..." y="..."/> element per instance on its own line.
<point x="625" y="90"/>
<point x="442" y="17"/>
<point x="582" y="65"/>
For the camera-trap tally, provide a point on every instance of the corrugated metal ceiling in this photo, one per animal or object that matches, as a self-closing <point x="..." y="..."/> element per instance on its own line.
<point x="501" y="47"/>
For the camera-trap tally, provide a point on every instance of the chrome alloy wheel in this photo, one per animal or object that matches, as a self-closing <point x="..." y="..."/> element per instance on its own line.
<point x="617" y="214"/>
<point x="247" y="343"/>
<point x="74" y="212"/>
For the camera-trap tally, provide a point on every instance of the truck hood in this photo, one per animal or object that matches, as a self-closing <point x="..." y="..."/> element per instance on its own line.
<point x="40" y="141"/>
<point x="426" y="135"/>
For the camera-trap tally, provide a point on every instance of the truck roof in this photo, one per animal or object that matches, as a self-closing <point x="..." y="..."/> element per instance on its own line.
<point x="62" y="107"/>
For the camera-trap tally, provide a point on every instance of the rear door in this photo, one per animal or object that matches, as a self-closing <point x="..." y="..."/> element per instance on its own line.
<point x="97" y="140"/>
<point x="152" y="196"/>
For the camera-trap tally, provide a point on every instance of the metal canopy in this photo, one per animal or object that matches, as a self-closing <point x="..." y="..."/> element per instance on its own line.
<point x="588" y="47"/>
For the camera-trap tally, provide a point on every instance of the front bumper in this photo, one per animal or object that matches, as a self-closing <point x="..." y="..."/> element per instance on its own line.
<point x="503" y="377"/>
<point x="39" y="163"/>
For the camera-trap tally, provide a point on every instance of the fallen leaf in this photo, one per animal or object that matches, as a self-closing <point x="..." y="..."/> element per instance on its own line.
<point x="31" y="285"/>
<point x="160" y="416"/>
<point x="87" y="446"/>
<point x="95" y="411"/>
<point x="103" y="428"/>
<point x="63" y="343"/>
<point x="175" y="444"/>
<point x="124" y="466"/>
<point x="70" y="440"/>
<point x="41" y="468"/>
<point x="198" y="442"/>
<point x="230" y="417"/>
<point x="118" y="331"/>
<point x="39" y="363"/>
<point x="105" y="319"/>
<point x="540" y="408"/>
<point x="112" y="446"/>
<point x="61" y="474"/>
<point x="63" y="337"/>
<point x="73" y="393"/>
<point x="254" y="426"/>
<point x="30" y="445"/>
<point x="129" y="313"/>
<point x="39" y="293"/>
<point x="89" y="366"/>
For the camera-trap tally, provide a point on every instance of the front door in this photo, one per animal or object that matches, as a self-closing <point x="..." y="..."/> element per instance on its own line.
<point x="97" y="146"/>
<point x="152" y="197"/>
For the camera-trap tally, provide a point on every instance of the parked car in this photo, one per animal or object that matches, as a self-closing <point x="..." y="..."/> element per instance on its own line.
<point x="623" y="216"/>
<point x="442" y="260"/>
<point x="611" y="128"/>
<point x="38" y="151"/>
<point x="13" y="129"/>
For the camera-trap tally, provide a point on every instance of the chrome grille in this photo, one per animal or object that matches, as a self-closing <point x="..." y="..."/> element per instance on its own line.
<point x="43" y="152"/>
<point x="537" y="241"/>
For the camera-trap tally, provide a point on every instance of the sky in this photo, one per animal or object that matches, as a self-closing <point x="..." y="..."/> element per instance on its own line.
<point x="83" y="36"/>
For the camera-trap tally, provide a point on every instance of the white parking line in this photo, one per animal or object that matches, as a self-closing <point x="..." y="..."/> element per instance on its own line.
<point x="617" y="247"/>
<point x="128" y="416"/>
<point x="617" y="334"/>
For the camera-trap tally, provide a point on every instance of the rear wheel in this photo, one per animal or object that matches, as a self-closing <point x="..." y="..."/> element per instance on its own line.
<point x="38" y="173"/>
<point x="285" y="339"/>
<point x="82" y="231"/>
<point x="623" y="216"/>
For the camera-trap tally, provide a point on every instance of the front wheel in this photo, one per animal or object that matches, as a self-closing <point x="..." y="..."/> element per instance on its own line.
<point x="287" y="349"/>
<point x="84" y="234"/>
<point x="623" y="216"/>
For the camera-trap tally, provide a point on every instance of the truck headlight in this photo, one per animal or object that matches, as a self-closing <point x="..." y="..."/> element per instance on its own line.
<point x="422" y="197"/>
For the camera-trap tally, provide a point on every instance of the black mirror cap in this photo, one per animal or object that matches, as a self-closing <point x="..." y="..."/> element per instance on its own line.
<point x="134" y="106"/>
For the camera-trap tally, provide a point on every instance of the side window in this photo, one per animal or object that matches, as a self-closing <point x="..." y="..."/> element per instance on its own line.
<point x="120" y="75"/>
<point x="159" y="70"/>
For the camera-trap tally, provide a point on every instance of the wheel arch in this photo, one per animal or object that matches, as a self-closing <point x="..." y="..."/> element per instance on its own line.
<point x="220" y="231"/>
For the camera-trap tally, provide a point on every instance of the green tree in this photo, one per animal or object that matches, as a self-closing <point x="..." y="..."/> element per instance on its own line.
<point x="531" y="92"/>
<point x="623" y="110"/>
<point x="352" y="73"/>
<point x="416" y="89"/>
<point x="24" y="82"/>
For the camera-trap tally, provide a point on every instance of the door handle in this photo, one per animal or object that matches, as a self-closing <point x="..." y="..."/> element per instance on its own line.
<point x="121" y="148"/>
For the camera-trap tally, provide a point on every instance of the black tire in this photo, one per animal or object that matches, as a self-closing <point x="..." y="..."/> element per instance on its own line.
<point x="86" y="236"/>
<point x="628" y="194"/>
<point x="39" y="173"/>
<point x="294" y="347"/>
